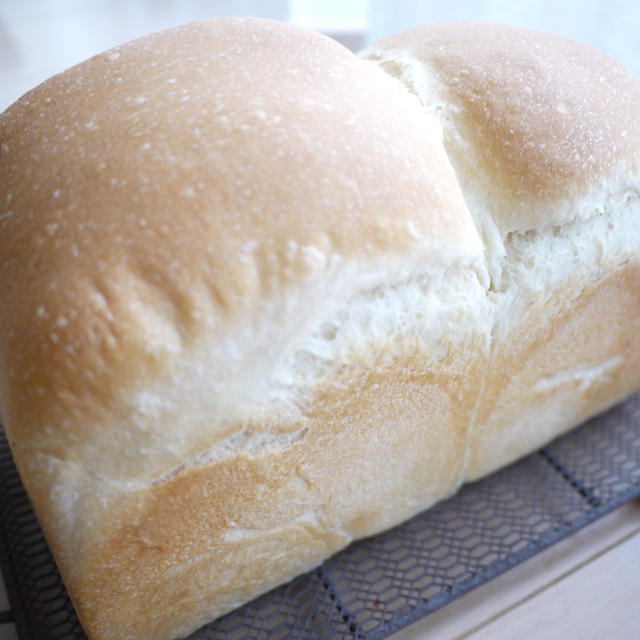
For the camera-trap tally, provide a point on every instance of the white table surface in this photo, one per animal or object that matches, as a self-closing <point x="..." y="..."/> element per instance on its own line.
<point x="585" y="587"/>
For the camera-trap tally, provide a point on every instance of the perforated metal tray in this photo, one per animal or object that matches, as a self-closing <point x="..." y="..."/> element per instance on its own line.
<point x="381" y="584"/>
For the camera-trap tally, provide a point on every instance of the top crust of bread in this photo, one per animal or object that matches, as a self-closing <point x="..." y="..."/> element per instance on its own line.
<point x="541" y="120"/>
<point x="166" y="188"/>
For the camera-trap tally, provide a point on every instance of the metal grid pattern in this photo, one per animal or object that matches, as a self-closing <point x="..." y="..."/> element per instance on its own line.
<point x="381" y="584"/>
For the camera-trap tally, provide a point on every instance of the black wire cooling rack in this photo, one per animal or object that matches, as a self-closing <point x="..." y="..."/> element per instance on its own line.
<point x="381" y="584"/>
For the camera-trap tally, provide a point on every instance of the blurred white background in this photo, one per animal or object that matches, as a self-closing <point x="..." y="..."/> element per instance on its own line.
<point x="41" y="37"/>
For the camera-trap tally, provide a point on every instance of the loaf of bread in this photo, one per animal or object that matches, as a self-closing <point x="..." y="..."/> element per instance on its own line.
<point x="260" y="297"/>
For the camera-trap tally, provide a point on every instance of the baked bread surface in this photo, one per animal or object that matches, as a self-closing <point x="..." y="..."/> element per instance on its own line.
<point x="258" y="299"/>
<point x="543" y="134"/>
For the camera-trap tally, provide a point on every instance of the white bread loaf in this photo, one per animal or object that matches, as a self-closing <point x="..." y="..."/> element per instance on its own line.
<point x="544" y="136"/>
<point x="258" y="300"/>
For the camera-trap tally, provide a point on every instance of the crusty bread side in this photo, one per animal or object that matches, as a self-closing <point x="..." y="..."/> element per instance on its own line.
<point x="258" y="300"/>
<point x="238" y="274"/>
<point x="544" y="135"/>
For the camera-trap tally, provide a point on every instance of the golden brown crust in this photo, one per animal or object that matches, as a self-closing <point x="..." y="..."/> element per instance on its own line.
<point x="239" y="272"/>
<point x="178" y="206"/>
<point x="260" y="519"/>
<point x="147" y="219"/>
<point x="537" y="120"/>
<point x="554" y="370"/>
<point x="543" y="132"/>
